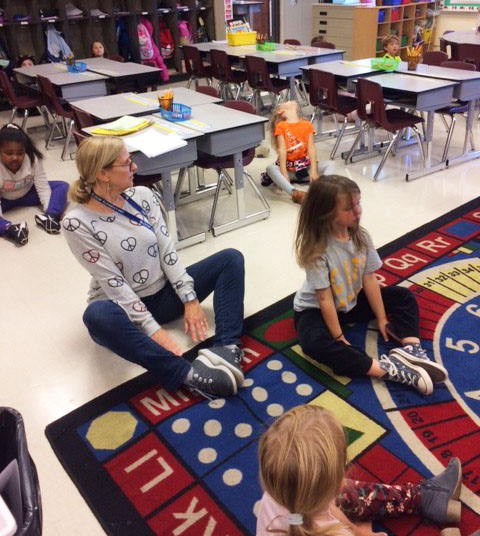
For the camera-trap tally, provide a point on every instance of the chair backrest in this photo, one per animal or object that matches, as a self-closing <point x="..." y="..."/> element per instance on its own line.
<point x="220" y="64"/>
<point x="322" y="89"/>
<point x="436" y="57"/>
<point x="295" y="42"/>
<point x="369" y="92"/>
<point x="320" y="43"/>
<point x="468" y="52"/>
<point x="116" y="57"/>
<point x="51" y="99"/>
<point x="78" y="136"/>
<point x="258" y="76"/>
<point x="7" y="89"/>
<point x="443" y="45"/>
<point x="193" y="61"/>
<point x="242" y="106"/>
<point x="453" y="64"/>
<point x="208" y="90"/>
<point x="82" y="119"/>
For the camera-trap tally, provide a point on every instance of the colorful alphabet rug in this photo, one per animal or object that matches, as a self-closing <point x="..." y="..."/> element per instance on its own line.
<point x="149" y="462"/>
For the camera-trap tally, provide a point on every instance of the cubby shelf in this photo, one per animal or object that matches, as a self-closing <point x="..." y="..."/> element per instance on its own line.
<point x="28" y="37"/>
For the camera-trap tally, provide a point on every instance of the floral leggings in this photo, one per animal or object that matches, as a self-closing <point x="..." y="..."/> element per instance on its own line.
<point x="365" y="501"/>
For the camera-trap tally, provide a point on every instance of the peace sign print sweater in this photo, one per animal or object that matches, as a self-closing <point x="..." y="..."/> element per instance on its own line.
<point x="126" y="260"/>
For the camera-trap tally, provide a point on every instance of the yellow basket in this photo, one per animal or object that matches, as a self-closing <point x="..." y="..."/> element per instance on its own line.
<point x="244" y="38"/>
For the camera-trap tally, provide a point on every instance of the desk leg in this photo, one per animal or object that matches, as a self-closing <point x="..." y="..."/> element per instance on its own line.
<point x="467" y="155"/>
<point x="428" y="168"/>
<point x="242" y="218"/>
<point x="169" y="202"/>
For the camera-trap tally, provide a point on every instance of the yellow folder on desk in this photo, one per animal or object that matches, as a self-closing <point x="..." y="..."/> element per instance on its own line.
<point x="125" y="125"/>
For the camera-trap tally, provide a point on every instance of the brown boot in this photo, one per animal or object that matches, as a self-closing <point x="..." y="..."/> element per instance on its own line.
<point x="298" y="196"/>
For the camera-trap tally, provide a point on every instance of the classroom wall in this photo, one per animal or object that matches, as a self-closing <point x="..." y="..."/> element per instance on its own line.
<point x="454" y="20"/>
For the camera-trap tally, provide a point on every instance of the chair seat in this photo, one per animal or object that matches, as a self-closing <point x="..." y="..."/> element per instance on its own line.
<point x="206" y="161"/>
<point x="346" y="104"/>
<point x="238" y="77"/>
<point x="278" y="84"/>
<point x="457" y="108"/>
<point x="207" y="71"/>
<point x="28" y="101"/>
<point x="397" y="119"/>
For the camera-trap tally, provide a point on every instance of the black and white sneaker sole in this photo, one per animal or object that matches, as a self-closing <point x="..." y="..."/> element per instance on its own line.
<point x="437" y="373"/>
<point x="216" y="360"/>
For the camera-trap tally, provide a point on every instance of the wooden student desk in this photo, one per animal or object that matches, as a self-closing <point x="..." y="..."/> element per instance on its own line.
<point x="285" y="61"/>
<point x="219" y="132"/>
<point x="71" y="86"/>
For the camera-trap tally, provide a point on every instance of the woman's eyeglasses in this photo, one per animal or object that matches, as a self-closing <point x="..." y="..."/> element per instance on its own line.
<point x="129" y="164"/>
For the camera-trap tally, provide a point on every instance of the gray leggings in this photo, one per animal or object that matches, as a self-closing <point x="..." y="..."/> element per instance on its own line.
<point x="273" y="171"/>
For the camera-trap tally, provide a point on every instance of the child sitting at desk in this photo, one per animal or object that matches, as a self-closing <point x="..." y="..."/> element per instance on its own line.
<point x="391" y="46"/>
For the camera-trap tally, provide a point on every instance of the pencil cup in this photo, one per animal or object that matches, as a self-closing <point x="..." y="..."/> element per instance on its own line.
<point x="412" y="62"/>
<point x="166" y="103"/>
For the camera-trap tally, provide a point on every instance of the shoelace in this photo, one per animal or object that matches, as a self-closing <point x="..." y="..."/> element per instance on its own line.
<point x="395" y="371"/>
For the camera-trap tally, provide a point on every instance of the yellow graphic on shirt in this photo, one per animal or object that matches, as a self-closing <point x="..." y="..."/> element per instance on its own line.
<point x="347" y="284"/>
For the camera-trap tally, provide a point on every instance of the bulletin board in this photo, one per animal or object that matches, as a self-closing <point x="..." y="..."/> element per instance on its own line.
<point x="461" y="5"/>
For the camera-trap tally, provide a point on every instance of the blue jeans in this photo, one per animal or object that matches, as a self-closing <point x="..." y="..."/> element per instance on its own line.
<point x="222" y="273"/>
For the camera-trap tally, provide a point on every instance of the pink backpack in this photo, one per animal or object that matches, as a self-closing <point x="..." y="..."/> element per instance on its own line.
<point x="185" y="33"/>
<point x="145" y="42"/>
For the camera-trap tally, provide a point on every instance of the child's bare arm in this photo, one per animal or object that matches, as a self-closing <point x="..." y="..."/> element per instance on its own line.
<point x="312" y="155"/>
<point x="282" y="156"/>
<point x="374" y="297"/>
<point x="329" y="313"/>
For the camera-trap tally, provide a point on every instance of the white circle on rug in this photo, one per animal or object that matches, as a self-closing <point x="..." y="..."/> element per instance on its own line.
<point x="212" y="428"/>
<point x="274" y="410"/>
<point x="218" y="403"/>
<point x="180" y="426"/>
<point x="207" y="455"/>
<point x="259" y="394"/>
<point x="232" y="477"/>
<point x="304" y="389"/>
<point x="289" y="377"/>
<point x="248" y="382"/>
<point x="243" y="430"/>
<point x="275" y="364"/>
<point x="256" y="507"/>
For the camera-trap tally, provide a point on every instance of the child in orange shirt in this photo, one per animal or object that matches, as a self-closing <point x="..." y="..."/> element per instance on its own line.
<point x="292" y="137"/>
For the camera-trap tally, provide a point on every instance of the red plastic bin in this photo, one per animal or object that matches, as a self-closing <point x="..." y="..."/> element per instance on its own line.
<point x="396" y="15"/>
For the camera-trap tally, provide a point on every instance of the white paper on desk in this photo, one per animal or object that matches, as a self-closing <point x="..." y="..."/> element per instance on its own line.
<point x="152" y="143"/>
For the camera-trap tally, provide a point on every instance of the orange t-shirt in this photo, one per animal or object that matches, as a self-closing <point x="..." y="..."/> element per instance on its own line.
<point x="296" y="141"/>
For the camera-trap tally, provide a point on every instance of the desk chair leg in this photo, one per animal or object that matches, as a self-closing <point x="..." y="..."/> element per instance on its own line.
<point x="356" y="142"/>
<point x="67" y="139"/>
<point x="190" y="80"/>
<point x="385" y="156"/>
<point x="178" y="187"/>
<point x="220" y="182"/>
<point x="449" y="138"/>
<point x="256" y="190"/>
<point x="445" y="124"/>
<point x="25" y="119"/>
<point x="420" y="143"/>
<point x="339" y="138"/>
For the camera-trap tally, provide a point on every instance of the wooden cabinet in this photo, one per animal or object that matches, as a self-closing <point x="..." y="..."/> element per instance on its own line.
<point x="28" y="36"/>
<point x="360" y="29"/>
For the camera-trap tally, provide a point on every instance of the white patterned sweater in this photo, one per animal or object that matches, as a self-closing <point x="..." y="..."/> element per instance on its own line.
<point x="126" y="260"/>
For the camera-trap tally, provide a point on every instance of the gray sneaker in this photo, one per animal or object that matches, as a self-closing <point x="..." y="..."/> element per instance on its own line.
<point x="439" y="495"/>
<point x="397" y="369"/>
<point x="229" y="357"/>
<point x="211" y="381"/>
<point x="416" y="355"/>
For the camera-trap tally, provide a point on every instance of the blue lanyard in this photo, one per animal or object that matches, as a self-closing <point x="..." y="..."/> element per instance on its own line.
<point x="125" y="213"/>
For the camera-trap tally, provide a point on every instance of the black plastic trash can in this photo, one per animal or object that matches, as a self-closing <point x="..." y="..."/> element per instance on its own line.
<point x="13" y="445"/>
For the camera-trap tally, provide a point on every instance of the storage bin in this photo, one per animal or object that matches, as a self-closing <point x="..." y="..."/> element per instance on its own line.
<point x="404" y="41"/>
<point x="385" y="64"/>
<point x="266" y="47"/>
<point x="405" y="2"/>
<point x="245" y="38"/>
<point x="77" y="67"/>
<point x="381" y="15"/>
<point x="396" y="14"/>
<point x="392" y="2"/>
<point x="379" y="47"/>
<point x="178" y="112"/>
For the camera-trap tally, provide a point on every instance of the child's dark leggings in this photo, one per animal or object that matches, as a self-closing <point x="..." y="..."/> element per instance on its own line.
<point x="362" y="501"/>
<point x="345" y="360"/>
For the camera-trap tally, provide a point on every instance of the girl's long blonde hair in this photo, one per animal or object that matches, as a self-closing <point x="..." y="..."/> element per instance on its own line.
<point x="317" y="213"/>
<point x="93" y="154"/>
<point x="302" y="458"/>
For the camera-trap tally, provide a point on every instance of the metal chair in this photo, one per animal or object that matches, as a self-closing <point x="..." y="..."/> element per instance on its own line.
<point x="394" y="121"/>
<point x="259" y="80"/>
<point x="20" y="101"/>
<point x="195" y="66"/>
<point x="294" y="42"/>
<point x="324" y="97"/>
<point x="435" y="57"/>
<point x="321" y="43"/>
<point x="58" y="111"/>
<point x="221" y="163"/>
<point x="82" y="119"/>
<point x="208" y="90"/>
<point x="455" y="109"/>
<point x="226" y="76"/>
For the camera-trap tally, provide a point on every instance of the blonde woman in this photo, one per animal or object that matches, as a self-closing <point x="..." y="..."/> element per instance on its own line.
<point x="117" y="233"/>
<point x="302" y="458"/>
